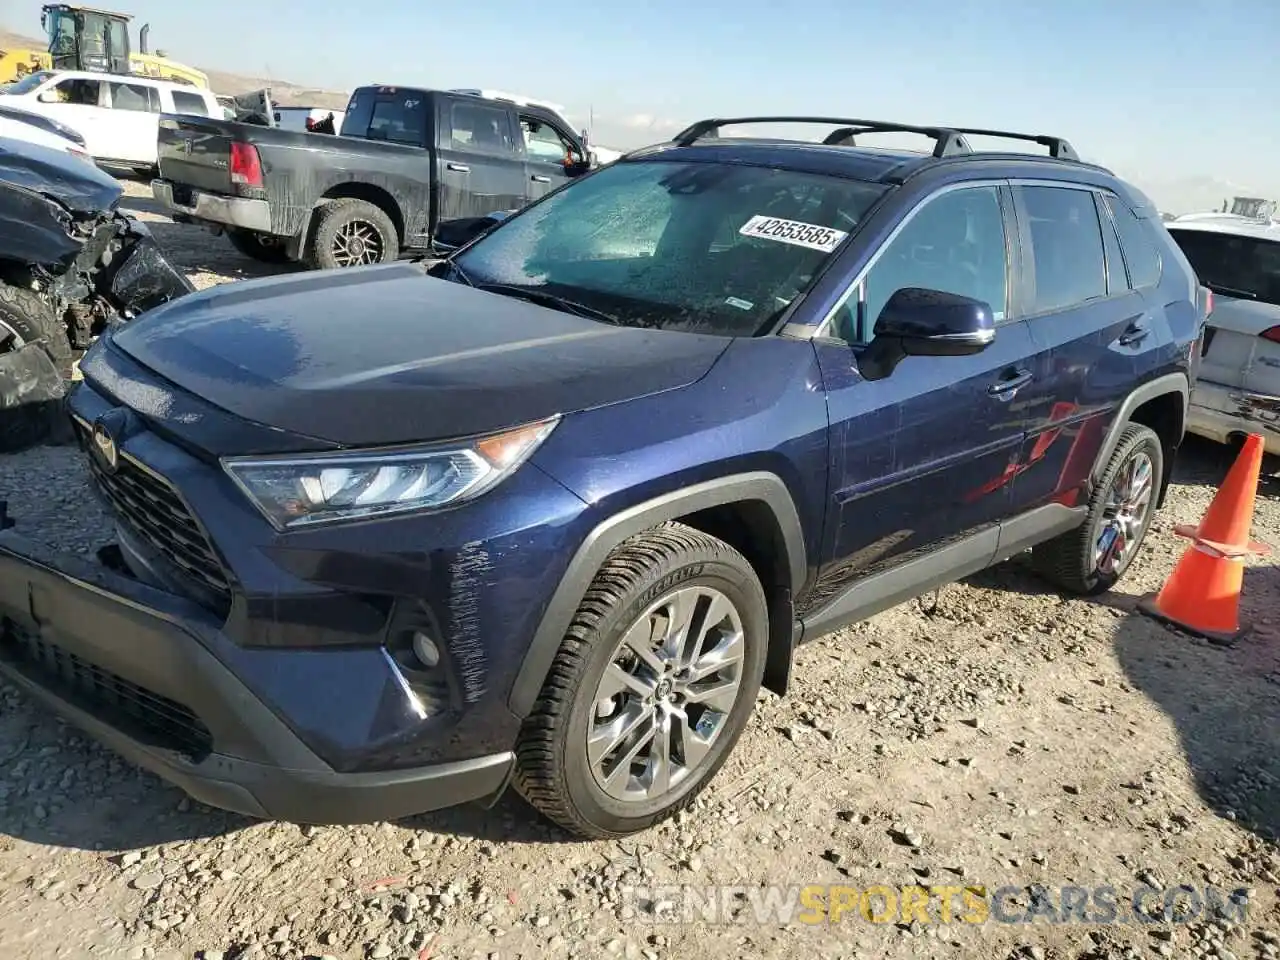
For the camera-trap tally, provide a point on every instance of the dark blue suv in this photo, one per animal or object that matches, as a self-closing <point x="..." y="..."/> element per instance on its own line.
<point x="552" y="510"/>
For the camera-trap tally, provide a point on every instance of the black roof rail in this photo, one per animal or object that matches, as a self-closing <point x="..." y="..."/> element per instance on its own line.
<point x="1059" y="147"/>
<point x="948" y="141"/>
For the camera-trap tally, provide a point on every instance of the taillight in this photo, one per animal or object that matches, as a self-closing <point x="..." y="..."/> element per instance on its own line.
<point x="246" y="168"/>
<point x="1272" y="334"/>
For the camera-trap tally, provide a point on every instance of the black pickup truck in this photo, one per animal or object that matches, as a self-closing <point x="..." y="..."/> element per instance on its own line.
<point x="406" y="163"/>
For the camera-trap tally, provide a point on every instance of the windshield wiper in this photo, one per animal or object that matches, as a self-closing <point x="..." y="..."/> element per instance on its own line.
<point x="1231" y="291"/>
<point x="544" y="299"/>
<point x="460" y="274"/>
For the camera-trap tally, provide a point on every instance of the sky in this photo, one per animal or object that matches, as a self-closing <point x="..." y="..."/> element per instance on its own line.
<point x="1164" y="92"/>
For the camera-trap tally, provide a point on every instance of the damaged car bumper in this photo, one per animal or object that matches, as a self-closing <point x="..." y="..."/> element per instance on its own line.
<point x="149" y="675"/>
<point x="1222" y="413"/>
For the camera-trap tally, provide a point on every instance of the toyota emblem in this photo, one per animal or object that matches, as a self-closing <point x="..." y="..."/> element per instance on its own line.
<point x="104" y="447"/>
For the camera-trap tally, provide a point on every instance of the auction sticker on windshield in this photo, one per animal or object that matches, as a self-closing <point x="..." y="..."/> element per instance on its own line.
<point x="793" y="231"/>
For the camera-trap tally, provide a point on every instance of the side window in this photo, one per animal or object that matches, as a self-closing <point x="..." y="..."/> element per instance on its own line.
<point x="481" y="128"/>
<point x="954" y="243"/>
<point x="1140" y="250"/>
<point x="1117" y="278"/>
<point x="189" y="103"/>
<point x="1066" y="247"/>
<point x="544" y="143"/>
<point x="135" y="97"/>
<point x="82" y="93"/>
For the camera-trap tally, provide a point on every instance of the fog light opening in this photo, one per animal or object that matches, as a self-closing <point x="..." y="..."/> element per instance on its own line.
<point x="425" y="649"/>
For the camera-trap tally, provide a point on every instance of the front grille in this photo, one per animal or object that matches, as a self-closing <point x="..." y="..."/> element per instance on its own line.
<point x="146" y="716"/>
<point x="153" y="511"/>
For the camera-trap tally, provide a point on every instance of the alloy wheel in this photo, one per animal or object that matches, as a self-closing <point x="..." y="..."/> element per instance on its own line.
<point x="357" y="243"/>
<point x="666" y="695"/>
<point x="1125" y="516"/>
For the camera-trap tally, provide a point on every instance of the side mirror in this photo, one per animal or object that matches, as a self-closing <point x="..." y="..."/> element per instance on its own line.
<point x="927" y="323"/>
<point x="48" y="96"/>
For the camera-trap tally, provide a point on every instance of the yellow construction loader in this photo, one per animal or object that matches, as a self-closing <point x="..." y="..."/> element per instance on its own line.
<point x="85" y="38"/>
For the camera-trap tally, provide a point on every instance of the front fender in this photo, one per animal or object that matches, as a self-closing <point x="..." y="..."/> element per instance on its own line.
<point x="757" y="486"/>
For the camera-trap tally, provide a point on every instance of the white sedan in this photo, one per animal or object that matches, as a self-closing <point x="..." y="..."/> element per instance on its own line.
<point x="1238" y="390"/>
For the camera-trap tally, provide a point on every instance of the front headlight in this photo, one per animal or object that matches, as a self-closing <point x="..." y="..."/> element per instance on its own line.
<point x="298" y="491"/>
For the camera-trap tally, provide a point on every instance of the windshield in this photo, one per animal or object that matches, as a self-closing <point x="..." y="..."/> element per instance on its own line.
<point x="706" y="248"/>
<point x="1232" y="265"/>
<point x="28" y="83"/>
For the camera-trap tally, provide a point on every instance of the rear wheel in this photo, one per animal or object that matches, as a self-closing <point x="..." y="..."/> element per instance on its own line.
<point x="651" y="687"/>
<point x="1093" y="557"/>
<point x="353" y="233"/>
<point x="262" y="247"/>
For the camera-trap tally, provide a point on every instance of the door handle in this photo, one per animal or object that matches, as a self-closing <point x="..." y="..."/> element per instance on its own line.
<point x="458" y="167"/>
<point x="1133" y="334"/>
<point x="539" y="178"/>
<point x="1005" y="389"/>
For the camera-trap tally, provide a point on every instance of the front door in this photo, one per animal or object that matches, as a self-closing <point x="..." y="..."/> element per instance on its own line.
<point x="74" y="101"/>
<point x="919" y="460"/>
<point x="549" y="156"/>
<point x="481" y="167"/>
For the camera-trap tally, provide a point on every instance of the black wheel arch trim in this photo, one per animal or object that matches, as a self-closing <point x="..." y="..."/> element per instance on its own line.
<point x="604" y="538"/>
<point x="1170" y="383"/>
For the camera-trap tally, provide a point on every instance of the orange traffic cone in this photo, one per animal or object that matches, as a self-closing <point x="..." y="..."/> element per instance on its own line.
<point x="1202" y="595"/>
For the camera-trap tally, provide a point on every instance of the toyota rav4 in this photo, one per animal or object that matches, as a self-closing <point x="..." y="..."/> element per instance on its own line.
<point x="551" y="511"/>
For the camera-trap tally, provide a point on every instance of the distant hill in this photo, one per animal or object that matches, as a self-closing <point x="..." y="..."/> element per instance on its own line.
<point x="282" y="92"/>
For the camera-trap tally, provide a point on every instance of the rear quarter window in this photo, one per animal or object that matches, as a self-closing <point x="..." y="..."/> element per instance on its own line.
<point x="190" y="103"/>
<point x="1139" y="246"/>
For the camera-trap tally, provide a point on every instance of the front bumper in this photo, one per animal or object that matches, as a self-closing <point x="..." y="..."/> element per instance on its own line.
<point x="1219" y="412"/>
<point x="143" y="671"/>
<point x="241" y="212"/>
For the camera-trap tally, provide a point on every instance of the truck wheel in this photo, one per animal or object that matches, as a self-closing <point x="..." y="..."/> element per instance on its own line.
<point x="353" y="233"/>
<point x="25" y="318"/>
<point x="1091" y="558"/>
<point x="261" y="247"/>
<point x="651" y="687"/>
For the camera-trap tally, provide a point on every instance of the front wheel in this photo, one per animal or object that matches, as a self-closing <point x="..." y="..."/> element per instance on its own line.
<point x="651" y="687"/>
<point x="1091" y="558"/>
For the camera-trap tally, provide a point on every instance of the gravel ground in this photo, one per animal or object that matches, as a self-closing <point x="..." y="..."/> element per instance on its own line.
<point x="1003" y="735"/>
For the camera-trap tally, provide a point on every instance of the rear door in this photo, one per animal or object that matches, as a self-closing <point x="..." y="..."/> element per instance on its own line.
<point x="133" y="121"/>
<point x="1241" y="347"/>
<point x="1088" y="324"/>
<point x="480" y="165"/>
<point x="550" y="155"/>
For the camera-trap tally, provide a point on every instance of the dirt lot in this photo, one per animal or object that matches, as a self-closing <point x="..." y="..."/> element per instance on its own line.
<point x="1005" y="736"/>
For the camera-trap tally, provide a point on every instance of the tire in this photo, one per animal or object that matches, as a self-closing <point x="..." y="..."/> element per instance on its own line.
<point x="340" y="217"/>
<point x="1069" y="560"/>
<point x="25" y="314"/>
<point x="553" y="770"/>
<point x="252" y="246"/>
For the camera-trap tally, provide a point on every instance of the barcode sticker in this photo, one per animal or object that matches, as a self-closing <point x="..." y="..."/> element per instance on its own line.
<point x="795" y="232"/>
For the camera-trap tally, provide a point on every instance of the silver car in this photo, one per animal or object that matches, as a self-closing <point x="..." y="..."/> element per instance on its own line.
<point x="1238" y="258"/>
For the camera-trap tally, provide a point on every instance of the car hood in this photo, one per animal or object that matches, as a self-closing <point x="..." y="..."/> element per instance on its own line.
<point x="76" y="184"/>
<point x="386" y="354"/>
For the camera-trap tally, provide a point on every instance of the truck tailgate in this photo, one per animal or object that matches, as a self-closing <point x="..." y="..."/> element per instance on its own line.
<point x="194" y="152"/>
